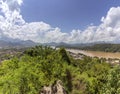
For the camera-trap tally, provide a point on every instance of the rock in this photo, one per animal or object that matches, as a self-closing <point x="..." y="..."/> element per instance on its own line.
<point x="56" y="88"/>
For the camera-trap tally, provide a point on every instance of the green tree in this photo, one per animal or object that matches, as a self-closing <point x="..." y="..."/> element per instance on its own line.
<point x="113" y="82"/>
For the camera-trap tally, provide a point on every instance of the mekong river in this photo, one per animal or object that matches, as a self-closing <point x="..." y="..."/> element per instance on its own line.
<point x="96" y="53"/>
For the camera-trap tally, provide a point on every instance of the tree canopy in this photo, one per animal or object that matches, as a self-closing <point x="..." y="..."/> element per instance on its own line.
<point x="42" y="66"/>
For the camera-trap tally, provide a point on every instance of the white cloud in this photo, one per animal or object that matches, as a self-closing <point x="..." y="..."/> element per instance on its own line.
<point x="110" y="27"/>
<point x="108" y="30"/>
<point x="12" y="25"/>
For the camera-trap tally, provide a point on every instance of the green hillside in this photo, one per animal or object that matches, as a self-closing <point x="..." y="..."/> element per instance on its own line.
<point x="103" y="47"/>
<point x="42" y="66"/>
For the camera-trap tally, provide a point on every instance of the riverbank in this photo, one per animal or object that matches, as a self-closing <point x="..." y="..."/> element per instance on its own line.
<point x="108" y="57"/>
<point x="98" y="54"/>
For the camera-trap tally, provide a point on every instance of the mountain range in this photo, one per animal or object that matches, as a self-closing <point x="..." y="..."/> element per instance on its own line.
<point x="16" y="43"/>
<point x="13" y="43"/>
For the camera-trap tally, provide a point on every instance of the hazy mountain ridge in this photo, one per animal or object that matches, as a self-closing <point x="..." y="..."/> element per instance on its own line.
<point x="10" y="43"/>
<point x="97" y="46"/>
<point x="63" y="44"/>
<point x="16" y="43"/>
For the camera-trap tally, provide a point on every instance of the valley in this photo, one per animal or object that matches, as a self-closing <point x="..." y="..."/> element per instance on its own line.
<point x="98" y="54"/>
<point x="108" y="57"/>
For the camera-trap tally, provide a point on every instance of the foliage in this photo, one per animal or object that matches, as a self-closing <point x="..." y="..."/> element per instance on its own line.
<point x="103" y="47"/>
<point x="40" y="66"/>
<point x="113" y="82"/>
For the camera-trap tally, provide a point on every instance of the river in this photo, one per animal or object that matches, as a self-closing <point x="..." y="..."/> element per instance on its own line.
<point x="96" y="53"/>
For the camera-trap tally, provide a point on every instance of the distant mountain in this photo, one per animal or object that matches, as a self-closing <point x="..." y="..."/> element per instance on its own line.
<point x="8" y="42"/>
<point x="26" y="43"/>
<point x="50" y="44"/>
<point x="55" y="44"/>
<point x="4" y="44"/>
<point x="96" y="46"/>
<point x="67" y="45"/>
<point x="16" y="43"/>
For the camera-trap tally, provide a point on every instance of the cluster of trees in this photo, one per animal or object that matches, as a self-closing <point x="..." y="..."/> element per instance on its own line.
<point x="41" y="66"/>
<point x="103" y="47"/>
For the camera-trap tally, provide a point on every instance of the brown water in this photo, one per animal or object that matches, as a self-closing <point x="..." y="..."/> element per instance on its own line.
<point x="96" y="53"/>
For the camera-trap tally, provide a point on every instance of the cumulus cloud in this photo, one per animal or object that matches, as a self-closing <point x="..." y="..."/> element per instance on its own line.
<point x="12" y="25"/>
<point x="110" y="26"/>
<point x="108" y="30"/>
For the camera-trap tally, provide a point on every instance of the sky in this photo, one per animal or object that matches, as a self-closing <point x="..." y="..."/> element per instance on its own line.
<point x="70" y="21"/>
<point x="67" y="14"/>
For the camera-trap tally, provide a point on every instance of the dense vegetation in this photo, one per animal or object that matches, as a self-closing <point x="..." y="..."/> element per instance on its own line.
<point x="42" y="66"/>
<point x="103" y="47"/>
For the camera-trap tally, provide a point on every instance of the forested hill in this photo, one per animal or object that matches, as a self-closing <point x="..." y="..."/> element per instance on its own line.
<point x="106" y="47"/>
<point x="103" y="47"/>
<point x="43" y="66"/>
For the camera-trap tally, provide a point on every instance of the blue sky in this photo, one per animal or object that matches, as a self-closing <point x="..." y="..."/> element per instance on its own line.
<point x="70" y="21"/>
<point x="67" y="14"/>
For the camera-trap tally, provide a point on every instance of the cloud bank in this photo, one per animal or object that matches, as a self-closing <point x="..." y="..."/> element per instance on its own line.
<point x="13" y="26"/>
